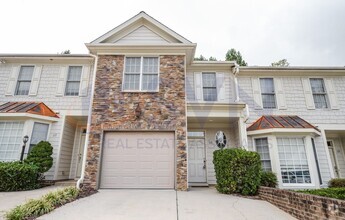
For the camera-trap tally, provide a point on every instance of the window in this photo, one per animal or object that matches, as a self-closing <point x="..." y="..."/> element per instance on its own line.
<point x="39" y="133"/>
<point x="267" y="93"/>
<point x="141" y="74"/>
<point x="293" y="160"/>
<point x="261" y="145"/>
<point x="319" y="93"/>
<point x="196" y="134"/>
<point x="209" y="86"/>
<point x="73" y="80"/>
<point x="24" y="80"/>
<point x="11" y="136"/>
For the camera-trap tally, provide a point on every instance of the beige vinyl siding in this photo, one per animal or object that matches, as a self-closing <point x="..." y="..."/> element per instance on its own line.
<point x="229" y="87"/>
<point x="142" y="35"/>
<point x="66" y="149"/>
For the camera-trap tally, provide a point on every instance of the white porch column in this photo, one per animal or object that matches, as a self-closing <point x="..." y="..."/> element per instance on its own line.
<point x="242" y="133"/>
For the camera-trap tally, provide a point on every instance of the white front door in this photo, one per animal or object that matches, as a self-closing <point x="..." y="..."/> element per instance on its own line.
<point x="81" y="152"/>
<point x="333" y="158"/>
<point x="196" y="161"/>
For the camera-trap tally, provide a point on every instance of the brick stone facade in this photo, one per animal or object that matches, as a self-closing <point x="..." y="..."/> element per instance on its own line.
<point x="114" y="110"/>
<point x="304" y="206"/>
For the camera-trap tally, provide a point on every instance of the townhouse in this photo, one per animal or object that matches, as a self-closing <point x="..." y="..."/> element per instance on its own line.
<point x="139" y="112"/>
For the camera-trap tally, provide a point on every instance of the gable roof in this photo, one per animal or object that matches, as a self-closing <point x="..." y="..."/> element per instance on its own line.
<point x="38" y="108"/>
<point x="280" y="121"/>
<point x="141" y="19"/>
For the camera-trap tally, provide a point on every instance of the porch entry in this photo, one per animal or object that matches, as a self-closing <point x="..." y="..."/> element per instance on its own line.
<point x="332" y="154"/>
<point x="196" y="157"/>
<point x="80" y="152"/>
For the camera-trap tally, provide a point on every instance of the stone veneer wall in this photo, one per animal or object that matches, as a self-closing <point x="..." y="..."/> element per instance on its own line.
<point x="304" y="206"/>
<point x="113" y="109"/>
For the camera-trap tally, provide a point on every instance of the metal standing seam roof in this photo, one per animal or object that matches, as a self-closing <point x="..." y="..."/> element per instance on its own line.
<point x="280" y="121"/>
<point x="38" y="108"/>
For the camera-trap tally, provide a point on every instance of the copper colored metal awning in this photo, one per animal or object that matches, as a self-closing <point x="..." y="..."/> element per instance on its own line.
<point x="37" y="108"/>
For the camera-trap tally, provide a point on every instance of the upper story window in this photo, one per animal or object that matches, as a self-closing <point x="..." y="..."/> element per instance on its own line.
<point x="24" y="80"/>
<point x="319" y="93"/>
<point x="73" y="80"/>
<point x="39" y="133"/>
<point x="141" y="74"/>
<point x="267" y="93"/>
<point x="293" y="160"/>
<point x="261" y="145"/>
<point x="209" y="86"/>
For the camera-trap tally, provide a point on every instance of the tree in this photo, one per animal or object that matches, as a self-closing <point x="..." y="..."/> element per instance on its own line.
<point x="200" y="58"/>
<point x="212" y="58"/>
<point x="281" y="63"/>
<point x="66" y="52"/>
<point x="40" y="155"/>
<point x="233" y="55"/>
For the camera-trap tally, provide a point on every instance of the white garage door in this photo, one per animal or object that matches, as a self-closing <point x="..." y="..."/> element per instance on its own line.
<point x="138" y="160"/>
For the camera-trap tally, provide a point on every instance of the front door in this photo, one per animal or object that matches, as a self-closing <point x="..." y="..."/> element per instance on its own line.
<point x="333" y="158"/>
<point x="81" y="152"/>
<point x="196" y="161"/>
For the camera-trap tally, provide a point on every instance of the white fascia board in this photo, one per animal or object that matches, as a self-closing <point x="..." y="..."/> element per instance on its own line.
<point x="214" y="110"/>
<point x="28" y="115"/>
<point x="275" y="131"/>
<point x="332" y="127"/>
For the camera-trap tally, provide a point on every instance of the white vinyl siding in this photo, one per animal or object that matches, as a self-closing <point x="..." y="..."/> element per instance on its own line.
<point x="142" y="35"/>
<point x="267" y="93"/>
<point x="39" y="133"/>
<point x="73" y="80"/>
<point x="319" y="92"/>
<point x="261" y="145"/>
<point x="209" y="86"/>
<point x="24" y="80"/>
<point x="11" y="140"/>
<point x="293" y="161"/>
<point x="141" y="74"/>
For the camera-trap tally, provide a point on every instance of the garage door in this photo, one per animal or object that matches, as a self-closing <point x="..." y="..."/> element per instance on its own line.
<point x="138" y="160"/>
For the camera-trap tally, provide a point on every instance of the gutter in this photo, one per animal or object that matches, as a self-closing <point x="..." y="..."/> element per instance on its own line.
<point x="81" y="179"/>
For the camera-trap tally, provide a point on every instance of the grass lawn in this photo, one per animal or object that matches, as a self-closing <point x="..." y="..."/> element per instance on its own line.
<point x="336" y="193"/>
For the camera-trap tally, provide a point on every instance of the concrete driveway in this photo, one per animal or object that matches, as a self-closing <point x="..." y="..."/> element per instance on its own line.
<point x="198" y="203"/>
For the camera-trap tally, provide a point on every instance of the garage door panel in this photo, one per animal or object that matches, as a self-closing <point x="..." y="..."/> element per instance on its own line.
<point x="140" y="161"/>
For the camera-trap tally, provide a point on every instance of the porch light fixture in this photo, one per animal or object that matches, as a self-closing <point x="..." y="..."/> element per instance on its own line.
<point x="25" y="140"/>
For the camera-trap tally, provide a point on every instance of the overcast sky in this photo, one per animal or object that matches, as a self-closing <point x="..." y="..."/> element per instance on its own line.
<point x="305" y="32"/>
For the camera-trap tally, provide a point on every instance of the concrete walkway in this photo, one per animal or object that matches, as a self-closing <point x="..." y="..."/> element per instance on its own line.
<point x="198" y="203"/>
<point x="9" y="200"/>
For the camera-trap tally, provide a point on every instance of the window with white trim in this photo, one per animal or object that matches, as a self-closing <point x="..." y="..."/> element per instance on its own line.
<point x="268" y="93"/>
<point x="11" y="136"/>
<point x="141" y="74"/>
<point x="293" y="161"/>
<point x="73" y="80"/>
<point x="261" y="145"/>
<point x="209" y="86"/>
<point x="24" y="80"/>
<point x="319" y="92"/>
<point x="39" y="133"/>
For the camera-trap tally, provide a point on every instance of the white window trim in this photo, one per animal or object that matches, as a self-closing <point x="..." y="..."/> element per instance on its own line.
<point x="275" y="93"/>
<point x="268" y="145"/>
<point x="141" y="74"/>
<point x="32" y="77"/>
<point x="66" y="79"/>
<point x="202" y="86"/>
<point x="326" y="92"/>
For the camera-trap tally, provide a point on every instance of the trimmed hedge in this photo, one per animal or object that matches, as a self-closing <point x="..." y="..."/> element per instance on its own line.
<point x="237" y="171"/>
<point x="17" y="176"/>
<point x="37" y="207"/>
<point x="40" y="155"/>
<point x="268" y="179"/>
<point x="336" y="183"/>
<point x="336" y="193"/>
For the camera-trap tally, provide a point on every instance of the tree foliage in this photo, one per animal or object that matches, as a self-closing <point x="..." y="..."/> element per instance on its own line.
<point x="281" y="63"/>
<point x="233" y="55"/>
<point x="40" y="155"/>
<point x="202" y="58"/>
<point x="66" y="52"/>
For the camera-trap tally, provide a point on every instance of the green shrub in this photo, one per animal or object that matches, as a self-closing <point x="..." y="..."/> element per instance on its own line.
<point x="237" y="171"/>
<point x="336" y="193"/>
<point x="40" y="155"/>
<point x="16" y="176"/>
<point x="268" y="179"/>
<point x="37" y="207"/>
<point x="337" y="182"/>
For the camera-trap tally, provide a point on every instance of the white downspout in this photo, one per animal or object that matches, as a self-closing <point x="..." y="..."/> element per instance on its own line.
<point x="81" y="179"/>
